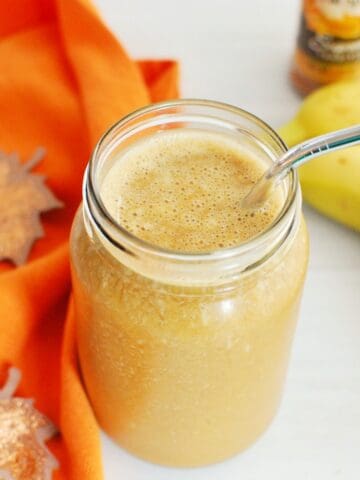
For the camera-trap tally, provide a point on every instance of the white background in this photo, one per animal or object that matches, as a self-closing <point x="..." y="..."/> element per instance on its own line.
<point x="239" y="52"/>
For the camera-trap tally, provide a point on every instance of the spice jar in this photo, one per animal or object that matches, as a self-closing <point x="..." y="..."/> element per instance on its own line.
<point x="328" y="46"/>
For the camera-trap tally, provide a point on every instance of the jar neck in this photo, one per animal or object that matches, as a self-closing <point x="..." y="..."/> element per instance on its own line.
<point x="186" y="269"/>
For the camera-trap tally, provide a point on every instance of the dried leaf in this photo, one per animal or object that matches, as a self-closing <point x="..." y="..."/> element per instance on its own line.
<point x="23" y="431"/>
<point x="23" y="196"/>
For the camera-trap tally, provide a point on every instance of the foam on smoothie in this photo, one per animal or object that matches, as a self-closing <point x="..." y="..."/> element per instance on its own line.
<point x="182" y="190"/>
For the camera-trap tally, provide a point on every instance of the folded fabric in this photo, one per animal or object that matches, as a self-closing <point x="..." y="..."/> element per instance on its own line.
<point x="64" y="80"/>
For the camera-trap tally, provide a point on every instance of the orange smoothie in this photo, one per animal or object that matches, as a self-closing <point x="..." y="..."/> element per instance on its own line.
<point x="179" y="374"/>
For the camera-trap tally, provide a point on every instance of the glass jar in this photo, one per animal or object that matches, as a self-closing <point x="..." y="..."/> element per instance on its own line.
<point x="328" y="44"/>
<point x="184" y="355"/>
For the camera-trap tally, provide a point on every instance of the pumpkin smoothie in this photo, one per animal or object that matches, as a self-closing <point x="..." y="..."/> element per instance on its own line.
<point x="179" y="374"/>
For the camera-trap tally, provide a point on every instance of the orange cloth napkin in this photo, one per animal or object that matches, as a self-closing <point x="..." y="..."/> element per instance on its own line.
<point x="64" y="79"/>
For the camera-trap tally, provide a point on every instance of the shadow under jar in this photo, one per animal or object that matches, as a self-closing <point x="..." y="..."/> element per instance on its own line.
<point x="184" y="354"/>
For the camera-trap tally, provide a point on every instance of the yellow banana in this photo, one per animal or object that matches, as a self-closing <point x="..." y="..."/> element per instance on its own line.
<point x="330" y="183"/>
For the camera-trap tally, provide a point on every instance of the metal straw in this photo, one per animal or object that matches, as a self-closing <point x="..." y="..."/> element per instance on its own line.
<point x="296" y="156"/>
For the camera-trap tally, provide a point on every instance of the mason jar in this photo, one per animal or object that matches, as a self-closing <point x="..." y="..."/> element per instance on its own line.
<point x="184" y="355"/>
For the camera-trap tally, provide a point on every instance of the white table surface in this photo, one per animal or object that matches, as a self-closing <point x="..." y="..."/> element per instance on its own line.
<point x="239" y="52"/>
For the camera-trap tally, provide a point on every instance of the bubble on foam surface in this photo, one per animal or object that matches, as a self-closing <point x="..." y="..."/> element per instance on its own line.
<point x="182" y="190"/>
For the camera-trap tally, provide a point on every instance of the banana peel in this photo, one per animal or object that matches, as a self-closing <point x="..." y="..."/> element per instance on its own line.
<point x="330" y="183"/>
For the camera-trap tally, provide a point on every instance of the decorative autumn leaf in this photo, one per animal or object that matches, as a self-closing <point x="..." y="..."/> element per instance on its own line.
<point x="23" y="196"/>
<point x="23" y="431"/>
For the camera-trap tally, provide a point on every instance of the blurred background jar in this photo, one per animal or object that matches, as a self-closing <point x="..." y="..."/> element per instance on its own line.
<point x="328" y="44"/>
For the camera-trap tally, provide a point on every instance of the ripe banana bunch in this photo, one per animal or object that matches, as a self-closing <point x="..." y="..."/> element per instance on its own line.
<point x="330" y="183"/>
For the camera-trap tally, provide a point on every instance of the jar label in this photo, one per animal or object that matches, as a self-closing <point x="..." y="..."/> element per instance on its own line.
<point x="328" y="44"/>
<point x="328" y="48"/>
<point x="330" y="30"/>
<point x="338" y="9"/>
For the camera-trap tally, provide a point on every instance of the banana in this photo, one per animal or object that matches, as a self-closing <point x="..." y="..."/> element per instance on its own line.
<point x="330" y="183"/>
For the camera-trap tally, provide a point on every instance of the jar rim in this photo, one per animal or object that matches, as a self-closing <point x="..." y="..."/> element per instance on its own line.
<point x="121" y="238"/>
